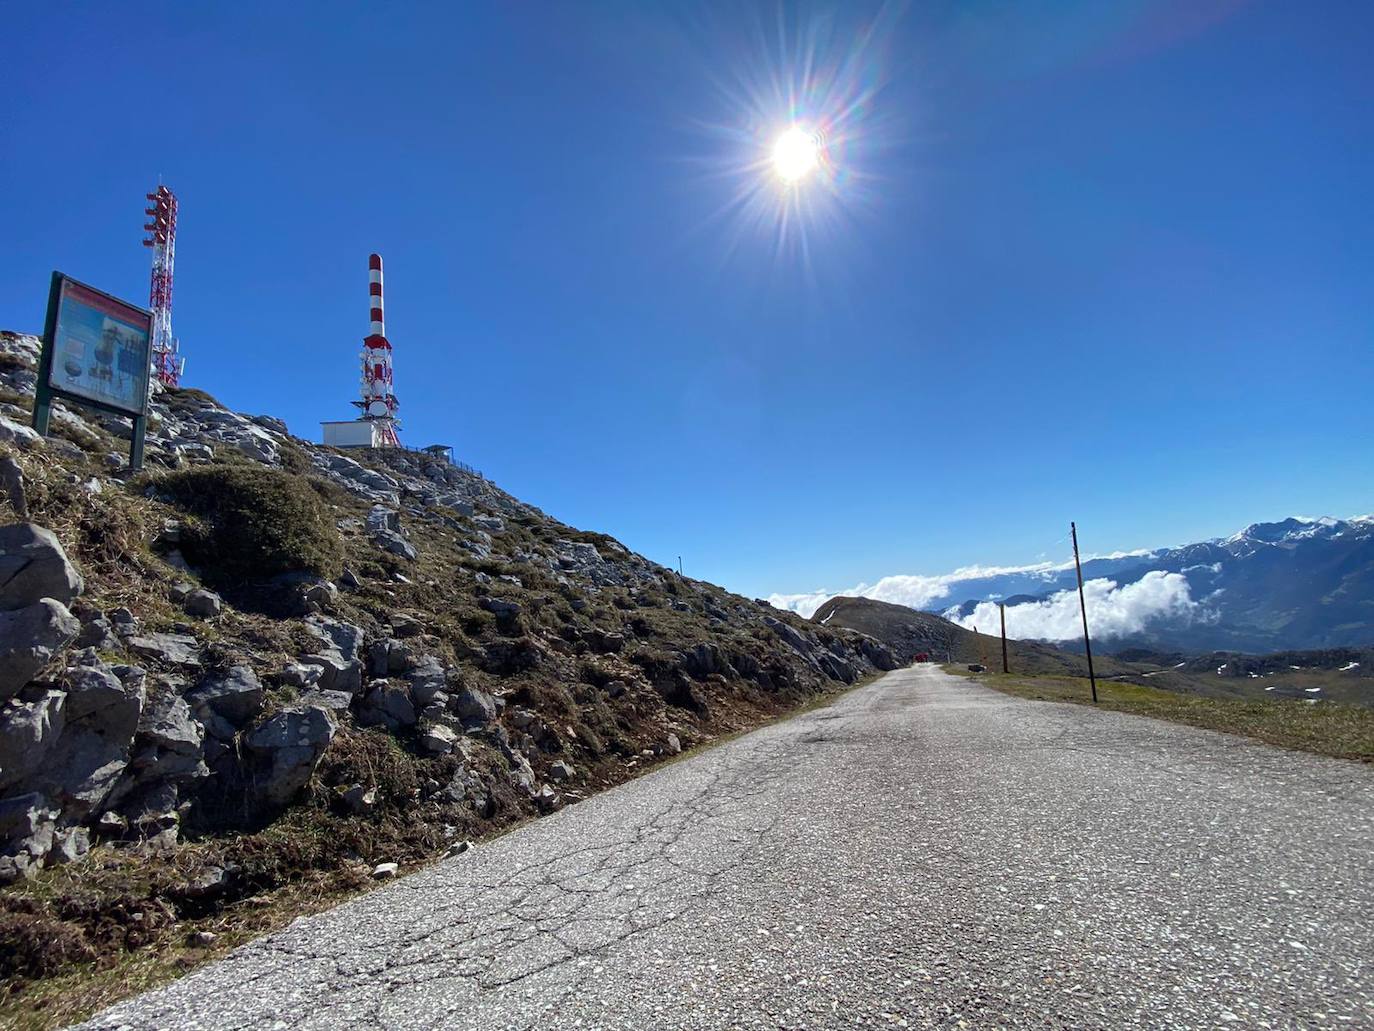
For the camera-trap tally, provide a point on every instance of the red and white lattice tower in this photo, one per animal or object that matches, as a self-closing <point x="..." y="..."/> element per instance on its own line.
<point x="168" y="365"/>
<point x="378" y="402"/>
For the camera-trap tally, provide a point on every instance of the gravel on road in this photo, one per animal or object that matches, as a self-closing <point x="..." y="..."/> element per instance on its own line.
<point x="922" y="853"/>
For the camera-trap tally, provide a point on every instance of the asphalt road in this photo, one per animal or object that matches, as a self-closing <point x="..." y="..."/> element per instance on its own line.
<point x="923" y="853"/>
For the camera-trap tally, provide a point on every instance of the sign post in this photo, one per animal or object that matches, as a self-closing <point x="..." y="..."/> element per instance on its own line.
<point x="97" y="352"/>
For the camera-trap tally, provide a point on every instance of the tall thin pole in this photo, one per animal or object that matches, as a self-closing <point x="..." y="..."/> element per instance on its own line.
<point x="1003" y="607"/>
<point x="1083" y="606"/>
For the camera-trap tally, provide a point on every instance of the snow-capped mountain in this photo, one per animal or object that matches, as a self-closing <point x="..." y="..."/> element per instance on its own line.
<point x="1295" y="584"/>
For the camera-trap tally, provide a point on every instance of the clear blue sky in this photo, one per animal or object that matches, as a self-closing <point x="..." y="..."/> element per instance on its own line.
<point x="1103" y="261"/>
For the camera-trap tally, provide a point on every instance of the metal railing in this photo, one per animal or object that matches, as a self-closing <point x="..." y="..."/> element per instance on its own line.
<point x="446" y="455"/>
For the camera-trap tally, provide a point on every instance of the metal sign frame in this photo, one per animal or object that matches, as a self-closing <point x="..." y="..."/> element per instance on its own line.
<point x="45" y="391"/>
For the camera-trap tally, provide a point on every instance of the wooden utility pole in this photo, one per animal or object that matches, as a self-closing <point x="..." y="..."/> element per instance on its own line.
<point x="1003" y="607"/>
<point x="1083" y="607"/>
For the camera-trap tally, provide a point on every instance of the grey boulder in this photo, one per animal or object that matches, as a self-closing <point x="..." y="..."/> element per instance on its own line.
<point x="30" y="638"/>
<point x="427" y="681"/>
<point x="173" y="649"/>
<point x="101" y="717"/>
<point x="438" y="739"/>
<point x="235" y="695"/>
<point x="167" y="748"/>
<point x="26" y="835"/>
<point x="203" y="603"/>
<point x="285" y="748"/>
<point x="34" y="566"/>
<point x="388" y="704"/>
<point x="474" y="707"/>
<point x="28" y="732"/>
<point x="337" y="657"/>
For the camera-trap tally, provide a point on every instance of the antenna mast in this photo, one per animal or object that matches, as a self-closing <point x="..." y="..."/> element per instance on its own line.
<point x="168" y="365"/>
<point x="378" y="402"/>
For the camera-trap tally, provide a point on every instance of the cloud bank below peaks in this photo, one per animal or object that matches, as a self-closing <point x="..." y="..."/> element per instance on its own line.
<point x="912" y="590"/>
<point x="1112" y="611"/>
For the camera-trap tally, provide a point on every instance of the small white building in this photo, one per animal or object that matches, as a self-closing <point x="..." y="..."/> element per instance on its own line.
<point x="354" y="433"/>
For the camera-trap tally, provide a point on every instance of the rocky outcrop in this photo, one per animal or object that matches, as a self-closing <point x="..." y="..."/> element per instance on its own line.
<point x="338" y="657"/>
<point x="285" y="748"/>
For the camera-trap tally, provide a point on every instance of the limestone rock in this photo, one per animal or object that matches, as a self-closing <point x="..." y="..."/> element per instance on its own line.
<point x="26" y="834"/>
<point x="298" y="674"/>
<point x="357" y="798"/>
<point x="167" y="724"/>
<point x="99" y="633"/>
<point x="12" y="479"/>
<point x="236" y="695"/>
<point x="389" y="704"/>
<point x="501" y="608"/>
<point x="69" y="845"/>
<point x="474" y="707"/>
<point x="395" y="544"/>
<point x="30" y="638"/>
<point x="172" y="649"/>
<point x="25" y="437"/>
<point x="285" y="749"/>
<point x="428" y="680"/>
<point x="438" y="739"/>
<point x="837" y="669"/>
<point x="101" y="717"/>
<point x="34" y="566"/>
<point x="707" y="658"/>
<point x="28" y="731"/>
<point x="338" y="658"/>
<point x="334" y="701"/>
<point x="203" y="603"/>
<point x="383" y="518"/>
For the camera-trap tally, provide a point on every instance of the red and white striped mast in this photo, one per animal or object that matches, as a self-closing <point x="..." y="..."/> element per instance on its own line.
<point x="378" y="402"/>
<point x="168" y="365"/>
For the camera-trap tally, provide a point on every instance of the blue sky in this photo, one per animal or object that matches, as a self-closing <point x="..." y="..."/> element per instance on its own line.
<point x="1108" y="262"/>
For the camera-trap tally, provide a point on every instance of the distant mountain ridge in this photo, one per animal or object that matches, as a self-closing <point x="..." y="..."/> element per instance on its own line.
<point x="908" y="633"/>
<point x="1293" y="584"/>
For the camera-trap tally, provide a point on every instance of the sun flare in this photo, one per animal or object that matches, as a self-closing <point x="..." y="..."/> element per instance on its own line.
<point x="795" y="154"/>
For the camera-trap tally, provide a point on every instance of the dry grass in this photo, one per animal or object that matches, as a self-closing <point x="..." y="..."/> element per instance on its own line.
<point x="80" y="989"/>
<point x="1323" y="728"/>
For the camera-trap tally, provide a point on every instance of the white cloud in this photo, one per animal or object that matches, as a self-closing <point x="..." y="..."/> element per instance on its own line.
<point x="912" y="590"/>
<point x="1112" y="611"/>
<point x="917" y="592"/>
<point x="1215" y="567"/>
<point x="805" y="604"/>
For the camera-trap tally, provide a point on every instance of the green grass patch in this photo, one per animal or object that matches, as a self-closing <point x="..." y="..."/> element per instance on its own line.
<point x="253" y="523"/>
<point x="1323" y="728"/>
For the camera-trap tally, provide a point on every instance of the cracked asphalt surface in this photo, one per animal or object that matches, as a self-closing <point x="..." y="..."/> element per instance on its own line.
<point x="924" y="852"/>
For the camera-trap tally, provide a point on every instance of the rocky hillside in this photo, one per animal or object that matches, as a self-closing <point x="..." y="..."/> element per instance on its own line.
<point x="274" y="664"/>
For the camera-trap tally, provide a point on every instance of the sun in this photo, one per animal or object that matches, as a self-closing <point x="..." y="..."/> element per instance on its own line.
<point x="796" y="153"/>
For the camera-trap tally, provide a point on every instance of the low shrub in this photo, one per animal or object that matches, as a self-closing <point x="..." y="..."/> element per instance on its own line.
<point x="254" y="523"/>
